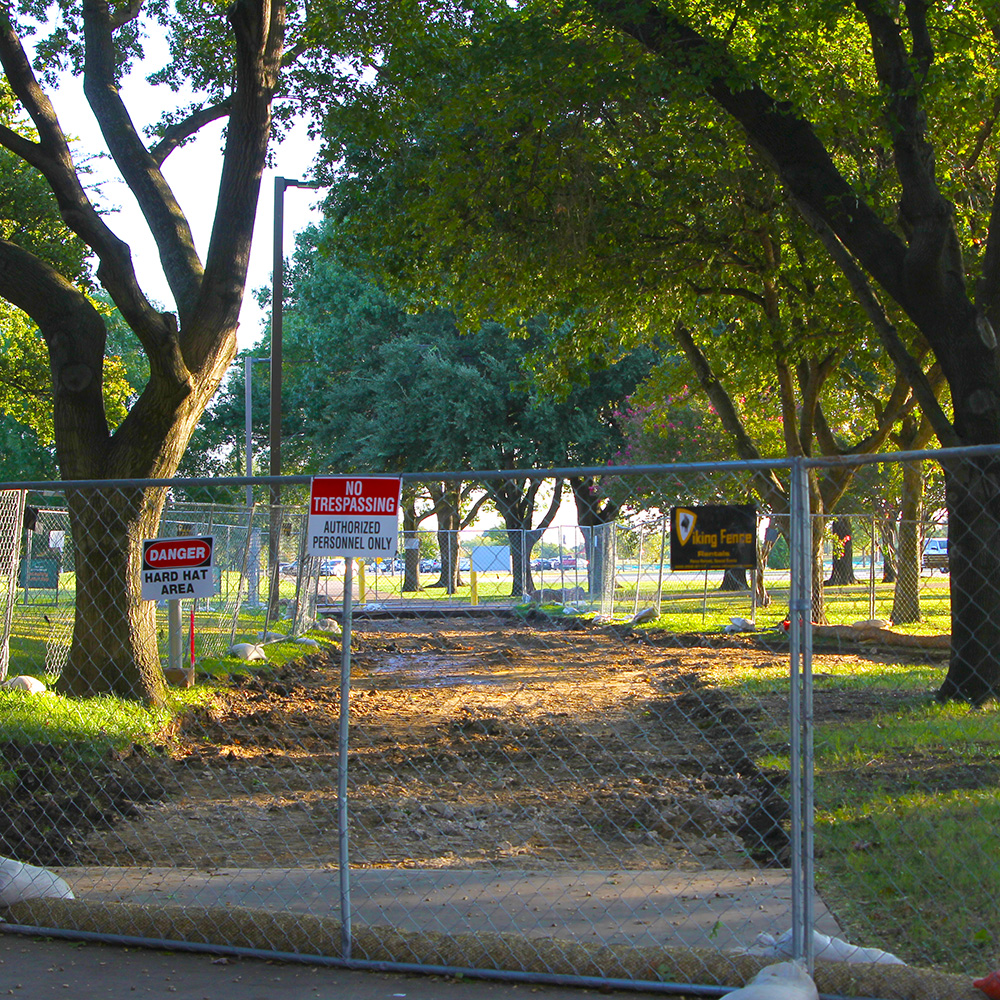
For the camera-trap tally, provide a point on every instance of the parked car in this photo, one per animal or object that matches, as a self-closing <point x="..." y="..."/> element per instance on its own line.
<point x="568" y="562"/>
<point x="936" y="554"/>
<point x="545" y="563"/>
<point x="331" y="567"/>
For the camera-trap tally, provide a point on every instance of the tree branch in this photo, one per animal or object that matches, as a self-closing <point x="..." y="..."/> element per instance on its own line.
<point x="128" y="13"/>
<point x="895" y="348"/>
<point x="786" y="141"/>
<point x="259" y="27"/>
<point x="988" y="287"/>
<point x="181" y="265"/>
<point x="75" y="335"/>
<point x="926" y="215"/>
<point x="176" y="135"/>
<point x="51" y="155"/>
<point x="768" y="483"/>
<point x="735" y="292"/>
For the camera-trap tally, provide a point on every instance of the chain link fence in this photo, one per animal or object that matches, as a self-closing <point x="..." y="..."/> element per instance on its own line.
<point x="519" y="748"/>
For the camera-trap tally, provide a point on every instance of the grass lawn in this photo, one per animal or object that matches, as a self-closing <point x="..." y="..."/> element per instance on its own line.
<point x="907" y="796"/>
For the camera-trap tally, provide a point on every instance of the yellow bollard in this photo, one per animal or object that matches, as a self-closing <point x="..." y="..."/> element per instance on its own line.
<point x="361" y="581"/>
<point x="474" y="587"/>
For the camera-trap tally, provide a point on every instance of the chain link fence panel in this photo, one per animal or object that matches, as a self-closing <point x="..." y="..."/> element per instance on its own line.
<point x="541" y="749"/>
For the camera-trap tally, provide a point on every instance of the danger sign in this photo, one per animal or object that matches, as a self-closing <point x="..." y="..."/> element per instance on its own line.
<point x="173" y="568"/>
<point x="354" y="516"/>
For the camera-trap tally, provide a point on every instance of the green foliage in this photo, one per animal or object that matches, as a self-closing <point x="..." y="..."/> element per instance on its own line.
<point x="370" y="385"/>
<point x="780" y="556"/>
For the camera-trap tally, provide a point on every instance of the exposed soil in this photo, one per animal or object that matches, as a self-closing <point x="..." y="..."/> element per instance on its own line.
<point x="490" y="742"/>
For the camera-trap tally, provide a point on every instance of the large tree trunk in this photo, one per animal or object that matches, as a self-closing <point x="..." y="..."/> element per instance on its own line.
<point x="596" y="518"/>
<point x="889" y="543"/>
<point x="906" y="593"/>
<point x="114" y="646"/>
<point x="842" y="571"/>
<point x="449" y="518"/>
<point x="734" y="580"/>
<point x="973" y="489"/>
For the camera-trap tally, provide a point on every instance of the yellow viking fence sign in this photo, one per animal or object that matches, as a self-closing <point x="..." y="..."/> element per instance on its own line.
<point x="713" y="537"/>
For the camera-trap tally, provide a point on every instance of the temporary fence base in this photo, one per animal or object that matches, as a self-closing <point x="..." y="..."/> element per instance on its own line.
<point x="710" y="908"/>
<point x="278" y="935"/>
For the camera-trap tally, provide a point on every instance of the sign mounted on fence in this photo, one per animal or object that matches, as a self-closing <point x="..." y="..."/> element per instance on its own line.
<point x="173" y="568"/>
<point x="713" y="537"/>
<point x="354" y="516"/>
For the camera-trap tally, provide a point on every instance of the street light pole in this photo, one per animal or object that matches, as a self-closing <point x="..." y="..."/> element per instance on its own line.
<point x="277" y="301"/>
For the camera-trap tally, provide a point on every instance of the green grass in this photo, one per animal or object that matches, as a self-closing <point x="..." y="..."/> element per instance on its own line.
<point x="907" y="795"/>
<point x="99" y="722"/>
<point x="908" y="803"/>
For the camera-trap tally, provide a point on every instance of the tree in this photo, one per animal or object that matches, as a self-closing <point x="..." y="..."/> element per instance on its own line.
<point x="554" y="216"/>
<point x="188" y="350"/>
<point x="411" y="390"/>
<point x="928" y="236"/>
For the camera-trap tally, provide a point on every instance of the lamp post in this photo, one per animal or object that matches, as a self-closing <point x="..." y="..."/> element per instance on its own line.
<point x="248" y="363"/>
<point x="277" y="299"/>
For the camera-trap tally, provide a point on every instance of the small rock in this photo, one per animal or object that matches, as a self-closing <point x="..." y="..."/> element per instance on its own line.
<point x="23" y="682"/>
<point x="182" y="677"/>
<point x="247" y="651"/>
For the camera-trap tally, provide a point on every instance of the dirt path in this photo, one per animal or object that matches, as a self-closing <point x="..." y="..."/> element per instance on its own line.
<point x="496" y="743"/>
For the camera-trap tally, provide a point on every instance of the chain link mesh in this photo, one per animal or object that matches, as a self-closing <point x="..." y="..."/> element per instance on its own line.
<point x="11" y="515"/>
<point x="562" y="753"/>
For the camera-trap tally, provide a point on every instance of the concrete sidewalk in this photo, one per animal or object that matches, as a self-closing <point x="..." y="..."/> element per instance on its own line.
<point x="714" y="909"/>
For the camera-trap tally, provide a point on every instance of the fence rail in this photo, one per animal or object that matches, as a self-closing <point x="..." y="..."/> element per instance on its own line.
<point x="516" y="749"/>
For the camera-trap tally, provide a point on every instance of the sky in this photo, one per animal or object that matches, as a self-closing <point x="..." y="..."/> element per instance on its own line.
<point x="193" y="174"/>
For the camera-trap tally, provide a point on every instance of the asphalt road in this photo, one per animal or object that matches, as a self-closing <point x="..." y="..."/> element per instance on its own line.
<point x="33" y="969"/>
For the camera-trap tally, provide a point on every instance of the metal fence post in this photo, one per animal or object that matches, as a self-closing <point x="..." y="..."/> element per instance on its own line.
<point x="343" y="745"/>
<point x="800" y="714"/>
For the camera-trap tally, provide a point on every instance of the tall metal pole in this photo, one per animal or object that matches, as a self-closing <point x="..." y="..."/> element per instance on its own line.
<point x="274" y="437"/>
<point x="277" y="301"/>
<point x="248" y="405"/>
<point x="343" y="747"/>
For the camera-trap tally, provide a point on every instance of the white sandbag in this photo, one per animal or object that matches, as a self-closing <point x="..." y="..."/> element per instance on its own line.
<point x="19" y="881"/>
<point x="784" y="981"/>
<point x="828" y="949"/>
<point x="646" y="615"/>
<point x="740" y="625"/>
<point x="247" y="651"/>
<point x="24" y="682"/>
<point x="329" y="625"/>
<point x="271" y="636"/>
<point x="304" y="640"/>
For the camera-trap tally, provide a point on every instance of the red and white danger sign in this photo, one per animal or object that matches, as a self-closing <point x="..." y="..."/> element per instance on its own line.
<point x="354" y="516"/>
<point x="173" y="568"/>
